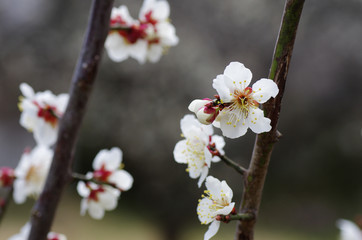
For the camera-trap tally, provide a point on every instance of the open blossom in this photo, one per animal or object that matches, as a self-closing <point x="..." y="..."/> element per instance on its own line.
<point x="97" y="198"/>
<point x="129" y="40"/>
<point x="143" y="39"/>
<point x="25" y="231"/>
<point x="6" y="176"/>
<point x="41" y="112"/>
<point x="31" y="173"/>
<point x="106" y="167"/>
<point x="161" y="33"/>
<point x="241" y="102"/>
<point x="349" y="230"/>
<point x="199" y="148"/>
<point x="216" y="202"/>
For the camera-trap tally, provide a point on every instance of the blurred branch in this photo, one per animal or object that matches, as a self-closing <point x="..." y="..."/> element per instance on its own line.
<point x="83" y="78"/>
<point x="254" y="180"/>
<point x="4" y="201"/>
<point x="233" y="164"/>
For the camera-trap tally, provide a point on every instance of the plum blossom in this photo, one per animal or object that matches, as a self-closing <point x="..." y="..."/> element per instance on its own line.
<point x="41" y="112"/>
<point x="106" y="169"/>
<point x="349" y="230"/>
<point x="143" y="39"/>
<point x="31" y="173"/>
<point x="25" y="231"/>
<point x="216" y="202"/>
<point x="6" y="176"/>
<point x="199" y="148"/>
<point x="241" y="102"/>
<point x="161" y="33"/>
<point x="97" y="198"/>
<point x="129" y="40"/>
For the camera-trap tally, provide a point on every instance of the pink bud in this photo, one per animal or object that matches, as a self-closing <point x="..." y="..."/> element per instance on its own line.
<point x="6" y="176"/>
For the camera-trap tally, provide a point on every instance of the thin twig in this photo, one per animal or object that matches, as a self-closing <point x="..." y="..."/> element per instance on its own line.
<point x="233" y="164"/>
<point x="83" y="78"/>
<point x="82" y="177"/>
<point x="254" y="180"/>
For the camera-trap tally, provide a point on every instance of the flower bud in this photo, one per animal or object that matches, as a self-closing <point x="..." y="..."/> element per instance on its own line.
<point x="6" y="176"/>
<point x="205" y="110"/>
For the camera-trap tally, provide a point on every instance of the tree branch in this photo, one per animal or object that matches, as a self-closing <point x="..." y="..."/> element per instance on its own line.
<point x="83" y="78"/>
<point x="254" y="180"/>
<point x="233" y="164"/>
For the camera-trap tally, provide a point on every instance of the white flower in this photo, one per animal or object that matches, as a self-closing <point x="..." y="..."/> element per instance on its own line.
<point x="240" y="102"/>
<point x="349" y="230"/>
<point x="106" y="169"/>
<point x="195" y="150"/>
<point x="97" y="199"/>
<point x="25" y="231"/>
<point x="31" y="173"/>
<point x="41" y="112"/>
<point x="161" y="34"/>
<point x="129" y="40"/>
<point x="217" y="202"/>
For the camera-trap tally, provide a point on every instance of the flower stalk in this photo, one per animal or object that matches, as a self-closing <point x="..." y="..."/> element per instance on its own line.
<point x="81" y="177"/>
<point x="83" y="78"/>
<point x="255" y="178"/>
<point x="233" y="164"/>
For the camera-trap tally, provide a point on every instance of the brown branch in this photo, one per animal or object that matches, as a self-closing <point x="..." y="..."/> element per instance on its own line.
<point x="4" y="201"/>
<point x="233" y="164"/>
<point x="83" y="78"/>
<point x="254" y="180"/>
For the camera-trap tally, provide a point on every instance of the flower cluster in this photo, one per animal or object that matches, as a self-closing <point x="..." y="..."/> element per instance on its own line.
<point x="41" y="113"/>
<point x="199" y="148"/>
<point x="236" y="107"/>
<point x="143" y="39"/>
<point x="105" y="184"/>
<point x="25" y="231"/>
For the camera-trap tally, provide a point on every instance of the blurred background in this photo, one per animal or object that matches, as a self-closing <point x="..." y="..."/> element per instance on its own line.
<point x="315" y="173"/>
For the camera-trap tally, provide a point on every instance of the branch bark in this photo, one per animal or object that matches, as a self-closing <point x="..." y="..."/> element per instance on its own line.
<point x="255" y="177"/>
<point x="83" y="78"/>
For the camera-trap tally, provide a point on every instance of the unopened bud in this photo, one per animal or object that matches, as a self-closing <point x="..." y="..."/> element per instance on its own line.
<point x="6" y="176"/>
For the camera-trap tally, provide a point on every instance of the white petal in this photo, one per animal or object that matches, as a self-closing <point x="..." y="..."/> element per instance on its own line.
<point x="154" y="53"/>
<point x="122" y="179"/>
<point x="196" y="104"/>
<point x="204" y="213"/>
<point x="179" y="153"/>
<point x="19" y="194"/>
<point x="239" y="74"/>
<point x="227" y="191"/>
<point x="226" y="210"/>
<point x="111" y="159"/>
<point x="82" y="189"/>
<point x="349" y="230"/>
<point x="161" y="10"/>
<point x="117" y="48"/>
<point x="83" y="206"/>
<point x="219" y="143"/>
<point x="95" y="210"/>
<point x="214" y="186"/>
<point x="123" y="12"/>
<point x="219" y="84"/>
<point x="167" y="34"/>
<point x="257" y="122"/>
<point x="213" y="228"/>
<point x="138" y="51"/>
<point x="264" y="89"/>
<point x="44" y="133"/>
<point x="230" y="127"/>
<point x="26" y="90"/>
<point x="109" y="199"/>
<point x="204" y="172"/>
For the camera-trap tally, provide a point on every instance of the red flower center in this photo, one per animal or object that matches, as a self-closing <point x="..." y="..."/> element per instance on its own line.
<point x="102" y="174"/>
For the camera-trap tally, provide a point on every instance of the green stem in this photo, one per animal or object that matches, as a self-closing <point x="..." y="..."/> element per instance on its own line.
<point x="233" y="164"/>
<point x="256" y="174"/>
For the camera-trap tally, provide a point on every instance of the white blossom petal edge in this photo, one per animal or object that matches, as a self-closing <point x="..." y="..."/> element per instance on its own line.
<point x="349" y="230"/>
<point x="216" y="202"/>
<point x="194" y="149"/>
